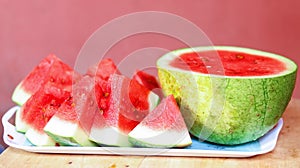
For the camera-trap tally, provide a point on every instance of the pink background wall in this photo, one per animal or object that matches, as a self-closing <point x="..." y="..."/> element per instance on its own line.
<point x="30" y="30"/>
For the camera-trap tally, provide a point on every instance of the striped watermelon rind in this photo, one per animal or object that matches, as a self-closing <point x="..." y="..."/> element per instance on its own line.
<point x="228" y="110"/>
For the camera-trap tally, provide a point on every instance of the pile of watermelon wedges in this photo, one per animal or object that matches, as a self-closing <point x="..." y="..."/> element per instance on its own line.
<point x="60" y="107"/>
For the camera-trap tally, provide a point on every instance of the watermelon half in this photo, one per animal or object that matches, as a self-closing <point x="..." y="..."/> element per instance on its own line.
<point x="128" y="104"/>
<point x="50" y="69"/>
<point x="228" y="95"/>
<point x="164" y="127"/>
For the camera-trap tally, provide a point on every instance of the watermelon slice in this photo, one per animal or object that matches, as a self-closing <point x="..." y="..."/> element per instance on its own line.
<point x="37" y="111"/>
<point x="228" y="95"/>
<point x="50" y="69"/>
<point x="129" y="103"/>
<point x="164" y="127"/>
<point x="64" y="127"/>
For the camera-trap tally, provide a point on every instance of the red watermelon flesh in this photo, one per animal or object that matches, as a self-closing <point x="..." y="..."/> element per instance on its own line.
<point x="50" y="69"/>
<point x="165" y="116"/>
<point x="146" y="79"/>
<point x="103" y="70"/>
<point x="234" y="63"/>
<point x="149" y="81"/>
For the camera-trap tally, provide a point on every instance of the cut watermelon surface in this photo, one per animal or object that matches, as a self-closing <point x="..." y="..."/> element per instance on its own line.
<point x="50" y="69"/>
<point x="164" y="127"/>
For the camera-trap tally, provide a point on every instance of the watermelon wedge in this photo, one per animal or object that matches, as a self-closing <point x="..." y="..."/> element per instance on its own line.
<point x="37" y="111"/>
<point x="101" y="73"/>
<point x="164" y="127"/>
<point x="64" y="127"/>
<point x="129" y="103"/>
<point x="50" y="69"/>
<point x="228" y="95"/>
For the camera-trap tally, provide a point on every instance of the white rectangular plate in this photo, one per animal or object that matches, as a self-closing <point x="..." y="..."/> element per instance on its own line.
<point x="198" y="148"/>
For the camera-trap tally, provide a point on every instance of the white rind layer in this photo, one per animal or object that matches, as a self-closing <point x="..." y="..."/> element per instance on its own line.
<point x="110" y="136"/>
<point x="153" y="100"/>
<point x="21" y="126"/>
<point x="67" y="132"/>
<point x="39" y="138"/>
<point x="164" y="61"/>
<point x="20" y="96"/>
<point x="159" y="138"/>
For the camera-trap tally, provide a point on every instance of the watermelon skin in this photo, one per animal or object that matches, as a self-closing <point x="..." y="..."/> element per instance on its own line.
<point x="229" y="110"/>
<point x="50" y="69"/>
<point x="164" y="127"/>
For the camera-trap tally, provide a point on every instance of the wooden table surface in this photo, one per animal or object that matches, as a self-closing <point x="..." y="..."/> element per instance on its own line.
<point x="286" y="154"/>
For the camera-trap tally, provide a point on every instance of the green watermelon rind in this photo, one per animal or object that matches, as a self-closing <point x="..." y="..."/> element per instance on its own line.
<point x="246" y="108"/>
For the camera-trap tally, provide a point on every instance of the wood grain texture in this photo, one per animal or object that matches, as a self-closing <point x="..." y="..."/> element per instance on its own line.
<point x="286" y="154"/>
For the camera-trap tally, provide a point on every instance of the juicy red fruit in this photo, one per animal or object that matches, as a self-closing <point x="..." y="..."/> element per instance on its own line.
<point x="127" y="102"/>
<point x="234" y="63"/>
<point x="40" y="107"/>
<point x="103" y="70"/>
<point x="166" y="115"/>
<point x="149" y="81"/>
<point x="50" y="69"/>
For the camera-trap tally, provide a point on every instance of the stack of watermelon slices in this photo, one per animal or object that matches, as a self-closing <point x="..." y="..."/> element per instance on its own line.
<point x="102" y="107"/>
